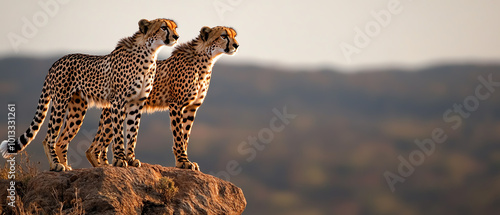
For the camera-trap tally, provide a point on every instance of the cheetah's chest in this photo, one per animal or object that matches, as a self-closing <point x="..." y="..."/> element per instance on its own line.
<point x="142" y="82"/>
<point x="145" y="83"/>
<point x="201" y="88"/>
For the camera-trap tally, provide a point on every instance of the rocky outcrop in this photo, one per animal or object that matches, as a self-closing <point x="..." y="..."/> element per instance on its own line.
<point x="150" y="189"/>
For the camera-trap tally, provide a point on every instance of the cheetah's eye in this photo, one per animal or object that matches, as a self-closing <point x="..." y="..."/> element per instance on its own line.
<point x="223" y="36"/>
<point x="164" y="28"/>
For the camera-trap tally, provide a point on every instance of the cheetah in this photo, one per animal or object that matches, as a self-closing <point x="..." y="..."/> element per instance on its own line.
<point x="119" y="81"/>
<point x="181" y="85"/>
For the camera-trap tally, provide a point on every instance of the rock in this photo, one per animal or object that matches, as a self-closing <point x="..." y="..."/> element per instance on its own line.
<point x="113" y="190"/>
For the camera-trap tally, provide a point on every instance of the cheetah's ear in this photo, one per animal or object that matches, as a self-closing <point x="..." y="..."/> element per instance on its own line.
<point x="204" y="33"/>
<point x="144" y="25"/>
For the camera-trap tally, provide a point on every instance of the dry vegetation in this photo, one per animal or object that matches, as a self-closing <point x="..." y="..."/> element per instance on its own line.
<point x="25" y="171"/>
<point x="166" y="187"/>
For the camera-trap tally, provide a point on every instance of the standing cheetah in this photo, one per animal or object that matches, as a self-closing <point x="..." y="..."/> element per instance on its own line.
<point x="119" y="81"/>
<point x="181" y="85"/>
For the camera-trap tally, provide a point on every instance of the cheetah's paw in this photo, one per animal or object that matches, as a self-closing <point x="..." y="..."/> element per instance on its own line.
<point x="134" y="162"/>
<point x="119" y="162"/>
<point x="67" y="167"/>
<point x="57" y="167"/>
<point x="188" y="165"/>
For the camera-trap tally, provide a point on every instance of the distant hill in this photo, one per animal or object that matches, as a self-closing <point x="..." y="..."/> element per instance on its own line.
<point x="350" y="129"/>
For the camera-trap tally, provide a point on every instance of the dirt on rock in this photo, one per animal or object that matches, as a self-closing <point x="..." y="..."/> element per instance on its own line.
<point x="150" y="189"/>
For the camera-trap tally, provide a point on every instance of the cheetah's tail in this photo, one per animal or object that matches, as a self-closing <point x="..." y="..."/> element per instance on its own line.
<point x="9" y="148"/>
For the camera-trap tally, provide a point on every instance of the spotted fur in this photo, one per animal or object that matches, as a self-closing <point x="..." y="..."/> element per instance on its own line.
<point x="118" y="81"/>
<point x="181" y="85"/>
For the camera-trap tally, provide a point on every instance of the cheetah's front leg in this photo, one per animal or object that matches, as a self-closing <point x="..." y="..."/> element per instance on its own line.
<point x="132" y="128"/>
<point x="117" y="117"/>
<point x="182" y="119"/>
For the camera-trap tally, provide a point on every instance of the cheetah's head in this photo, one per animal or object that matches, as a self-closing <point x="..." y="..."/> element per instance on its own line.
<point x="159" y="32"/>
<point x="220" y="39"/>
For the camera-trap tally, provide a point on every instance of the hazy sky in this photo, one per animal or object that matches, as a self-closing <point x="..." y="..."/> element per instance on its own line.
<point x="347" y="34"/>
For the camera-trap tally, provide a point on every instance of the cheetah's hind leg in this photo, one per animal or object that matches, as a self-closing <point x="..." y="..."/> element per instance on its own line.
<point x="77" y="108"/>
